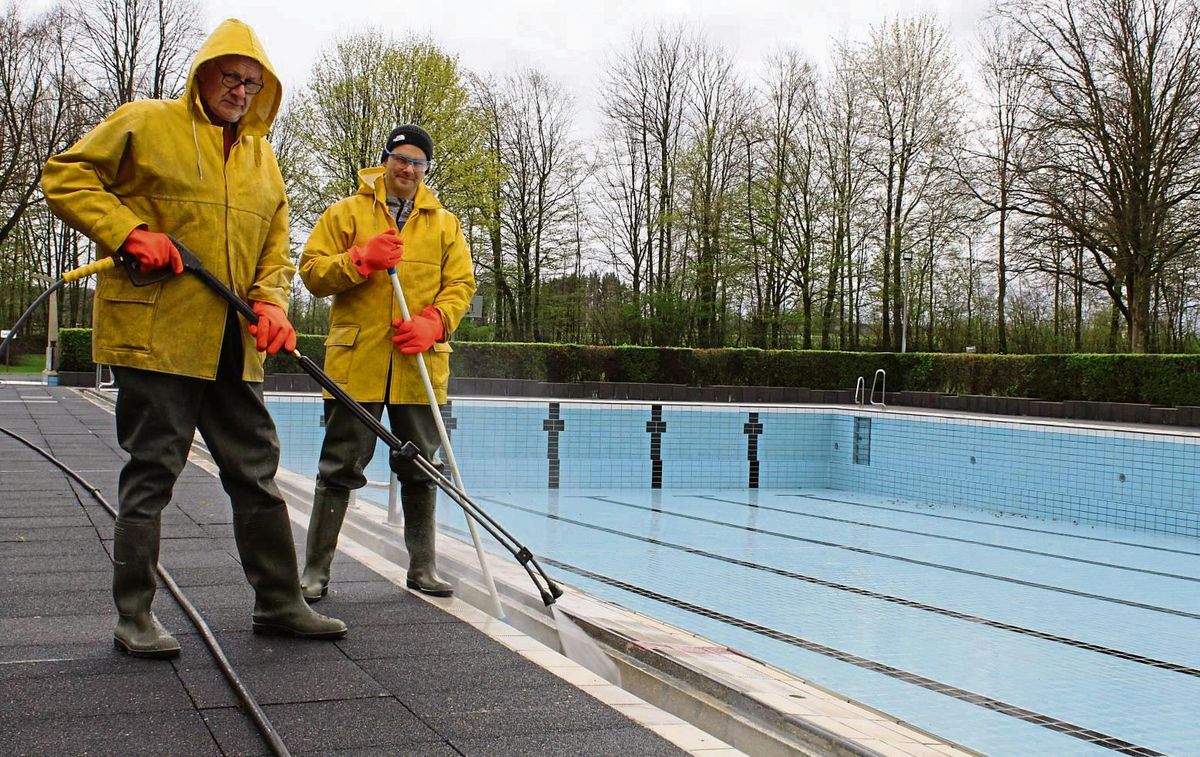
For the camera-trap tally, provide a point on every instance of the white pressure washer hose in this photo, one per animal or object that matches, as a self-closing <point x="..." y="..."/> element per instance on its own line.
<point x="496" y="610"/>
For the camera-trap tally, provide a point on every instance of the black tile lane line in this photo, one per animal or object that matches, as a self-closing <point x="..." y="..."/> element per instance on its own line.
<point x="1088" y="735"/>
<point x="1010" y="526"/>
<point x="943" y="537"/>
<point x="900" y="558"/>
<point x="997" y="624"/>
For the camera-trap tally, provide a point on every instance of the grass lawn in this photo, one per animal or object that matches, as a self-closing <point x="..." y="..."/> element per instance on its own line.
<point x="24" y="364"/>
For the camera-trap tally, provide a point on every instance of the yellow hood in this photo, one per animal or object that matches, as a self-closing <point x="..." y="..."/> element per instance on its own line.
<point x="234" y="37"/>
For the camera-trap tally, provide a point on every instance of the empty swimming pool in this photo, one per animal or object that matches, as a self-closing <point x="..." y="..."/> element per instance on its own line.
<point x="1015" y="587"/>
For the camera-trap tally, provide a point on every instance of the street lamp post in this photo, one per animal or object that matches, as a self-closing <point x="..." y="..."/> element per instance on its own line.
<point x="50" y="374"/>
<point x="905" y="275"/>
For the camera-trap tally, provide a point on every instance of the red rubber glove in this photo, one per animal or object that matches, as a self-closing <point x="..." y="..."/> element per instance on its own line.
<point x="419" y="334"/>
<point x="273" y="329"/>
<point x="153" y="250"/>
<point x="381" y="252"/>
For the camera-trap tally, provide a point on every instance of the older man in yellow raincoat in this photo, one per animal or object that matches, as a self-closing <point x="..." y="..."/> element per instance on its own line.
<point x="393" y="220"/>
<point x="200" y="169"/>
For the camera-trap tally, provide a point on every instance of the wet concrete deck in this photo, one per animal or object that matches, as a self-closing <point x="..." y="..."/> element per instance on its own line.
<point x="410" y="679"/>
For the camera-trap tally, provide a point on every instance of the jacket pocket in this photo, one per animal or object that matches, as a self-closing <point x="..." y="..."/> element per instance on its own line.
<point x="438" y="362"/>
<point x="339" y="352"/>
<point x="125" y="314"/>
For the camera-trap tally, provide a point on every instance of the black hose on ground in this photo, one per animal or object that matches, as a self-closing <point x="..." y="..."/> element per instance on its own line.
<point x="265" y="728"/>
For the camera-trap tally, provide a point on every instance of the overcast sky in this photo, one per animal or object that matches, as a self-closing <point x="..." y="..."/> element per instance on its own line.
<point x="573" y="41"/>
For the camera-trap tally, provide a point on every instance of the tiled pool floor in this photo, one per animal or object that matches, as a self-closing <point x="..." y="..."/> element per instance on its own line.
<point x="1003" y="633"/>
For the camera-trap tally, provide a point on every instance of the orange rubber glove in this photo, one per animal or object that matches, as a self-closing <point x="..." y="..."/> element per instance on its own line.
<point x="419" y="334"/>
<point x="381" y="252"/>
<point x="153" y="250"/>
<point x="273" y="329"/>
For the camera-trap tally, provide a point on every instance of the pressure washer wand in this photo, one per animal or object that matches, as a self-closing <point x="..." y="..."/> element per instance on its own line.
<point x="474" y="512"/>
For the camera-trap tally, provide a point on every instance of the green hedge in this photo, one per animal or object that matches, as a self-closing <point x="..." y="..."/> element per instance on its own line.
<point x="1163" y="380"/>
<point x="75" y="352"/>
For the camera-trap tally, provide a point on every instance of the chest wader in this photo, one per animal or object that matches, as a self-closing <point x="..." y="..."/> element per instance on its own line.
<point x="157" y="417"/>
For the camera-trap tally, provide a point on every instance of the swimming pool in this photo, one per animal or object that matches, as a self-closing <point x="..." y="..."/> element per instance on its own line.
<point x="1015" y="587"/>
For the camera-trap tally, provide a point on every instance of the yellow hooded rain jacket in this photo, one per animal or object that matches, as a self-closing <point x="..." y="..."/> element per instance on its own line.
<point x="436" y="270"/>
<point x="161" y="163"/>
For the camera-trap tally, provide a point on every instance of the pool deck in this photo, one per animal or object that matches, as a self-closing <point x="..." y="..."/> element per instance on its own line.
<point x="415" y="675"/>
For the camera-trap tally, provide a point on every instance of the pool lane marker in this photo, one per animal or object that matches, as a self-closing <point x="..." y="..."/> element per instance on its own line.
<point x="1088" y="735"/>
<point x="782" y="572"/>
<point x="900" y="558"/>
<point x="939" y="516"/>
<point x="656" y="427"/>
<point x="753" y="429"/>
<point x="553" y="425"/>
<point x="944" y="537"/>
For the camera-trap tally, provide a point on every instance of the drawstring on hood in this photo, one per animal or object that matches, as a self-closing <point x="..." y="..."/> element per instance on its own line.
<point x="196" y="142"/>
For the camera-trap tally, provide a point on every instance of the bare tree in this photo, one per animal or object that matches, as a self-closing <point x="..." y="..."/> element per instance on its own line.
<point x="647" y="86"/>
<point x="540" y="169"/>
<point x="130" y="49"/>
<point x="36" y="102"/>
<point x="717" y="113"/>
<point x="1119" y="166"/>
<point x="40" y="114"/>
<point x="843" y="122"/>
<point x="494" y="115"/>
<point x="911" y="78"/>
<point x="619" y="214"/>
<point x="545" y="168"/>
<point x="779" y="188"/>
<point x="991" y="169"/>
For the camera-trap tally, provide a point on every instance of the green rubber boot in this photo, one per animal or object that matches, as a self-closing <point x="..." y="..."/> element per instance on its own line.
<point x="135" y="556"/>
<point x="324" y="525"/>
<point x="419" y="533"/>
<point x="264" y="542"/>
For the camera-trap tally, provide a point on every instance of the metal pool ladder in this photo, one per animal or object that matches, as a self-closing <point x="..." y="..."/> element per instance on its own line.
<point x="879" y="372"/>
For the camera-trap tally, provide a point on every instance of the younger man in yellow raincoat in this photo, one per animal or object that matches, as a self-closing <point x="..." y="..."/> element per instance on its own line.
<point x="393" y="220"/>
<point x="200" y="169"/>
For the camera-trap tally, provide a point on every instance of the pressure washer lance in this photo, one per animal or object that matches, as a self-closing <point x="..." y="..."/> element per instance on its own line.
<point x="549" y="592"/>
<point x="447" y="450"/>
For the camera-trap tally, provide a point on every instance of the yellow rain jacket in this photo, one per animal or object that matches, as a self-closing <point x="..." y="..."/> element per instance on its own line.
<point x="161" y="163"/>
<point x="436" y="270"/>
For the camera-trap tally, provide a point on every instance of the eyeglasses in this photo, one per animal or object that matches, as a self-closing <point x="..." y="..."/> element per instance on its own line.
<point x="418" y="164"/>
<point x="232" y="80"/>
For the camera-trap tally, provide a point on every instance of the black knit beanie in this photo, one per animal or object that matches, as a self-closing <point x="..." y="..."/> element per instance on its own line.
<point x="408" y="135"/>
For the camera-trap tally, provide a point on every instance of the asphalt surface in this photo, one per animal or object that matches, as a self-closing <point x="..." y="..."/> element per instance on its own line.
<point x="410" y="679"/>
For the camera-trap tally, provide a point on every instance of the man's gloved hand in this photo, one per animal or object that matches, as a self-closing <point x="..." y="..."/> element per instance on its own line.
<point x="273" y="329"/>
<point x="381" y="252"/>
<point x="153" y="250"/>
<point x="419" y="334"/>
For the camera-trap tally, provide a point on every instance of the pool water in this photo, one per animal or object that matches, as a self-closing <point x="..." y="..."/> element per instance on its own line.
<point x="821" y="547"/>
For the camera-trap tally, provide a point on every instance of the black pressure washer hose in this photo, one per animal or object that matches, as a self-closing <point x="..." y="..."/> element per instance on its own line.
<point x="269" y="734"/>
<point x="548" y="592"/>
